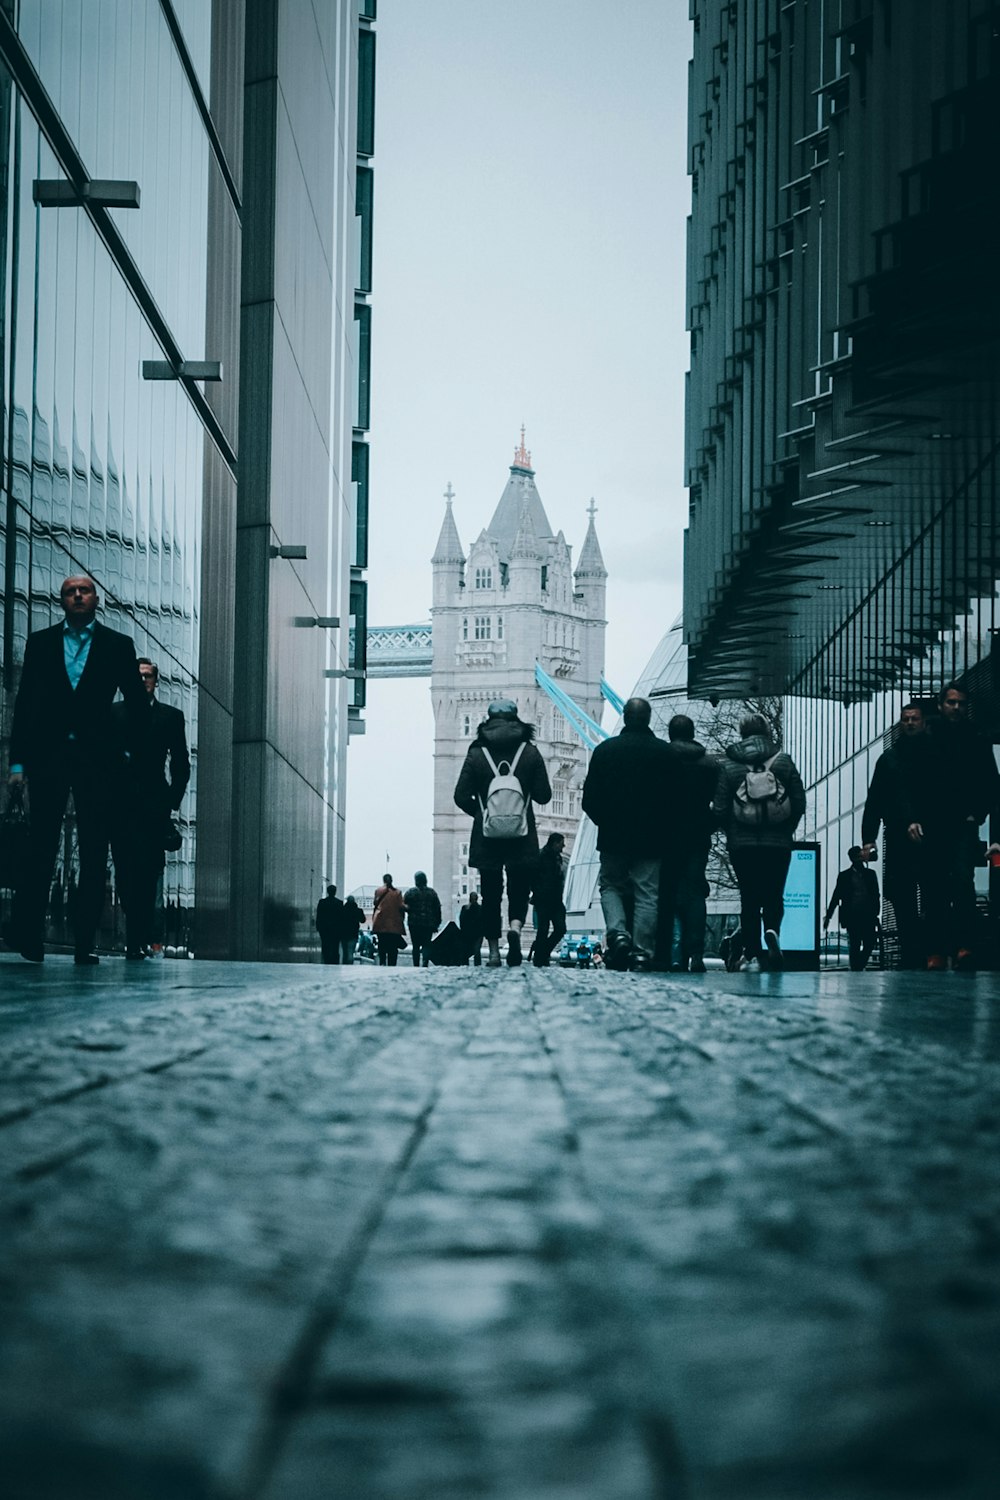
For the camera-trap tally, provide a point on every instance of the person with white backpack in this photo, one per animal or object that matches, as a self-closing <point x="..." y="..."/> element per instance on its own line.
<point x="759" y="802"/>
<point x="502" y="776"/>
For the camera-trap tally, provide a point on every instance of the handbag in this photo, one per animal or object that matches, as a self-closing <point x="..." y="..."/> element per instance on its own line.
<point x="172" y="836"/>
<point x="15" y="832"/>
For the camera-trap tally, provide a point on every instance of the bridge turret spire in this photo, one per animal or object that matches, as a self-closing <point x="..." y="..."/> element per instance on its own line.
<point x="449" y="546"/>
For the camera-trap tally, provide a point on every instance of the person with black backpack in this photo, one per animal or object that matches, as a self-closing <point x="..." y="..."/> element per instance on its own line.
<point x="502" y="776"/>
<point x="759" y="802"/>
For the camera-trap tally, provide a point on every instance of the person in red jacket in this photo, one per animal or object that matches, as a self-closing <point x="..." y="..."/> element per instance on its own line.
<point x="387" y="922"/>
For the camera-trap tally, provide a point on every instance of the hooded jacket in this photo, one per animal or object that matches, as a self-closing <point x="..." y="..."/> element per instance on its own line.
<point x="501" y="737"/>
<point x="739" y="759"/>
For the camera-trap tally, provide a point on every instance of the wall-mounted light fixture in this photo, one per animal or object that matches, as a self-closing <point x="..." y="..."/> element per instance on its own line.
<point x="324" y="622"/>
<point x="293" y="554"/>
<point x="99" y="192"/>
<point x="354" y="672"/>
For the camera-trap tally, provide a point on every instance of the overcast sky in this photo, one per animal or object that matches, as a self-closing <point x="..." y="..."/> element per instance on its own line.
<point x="531" y="197"/>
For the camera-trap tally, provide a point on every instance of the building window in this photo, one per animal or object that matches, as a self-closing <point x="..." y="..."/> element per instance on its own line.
<point x="465" y="627"/>
<point x="483" y="630"/>
<point x="366" y="93"/>
<point x="499" y="627"/>
<point x="558" y="725"/>
<point x="359" y="477"/>
<point x="467" y="725"/>
<point x="465" y="851"/>
<point x="559" y="800"/>
<point x="364" y="194"/>
<point x="363" y="318"/>
<point x="484" y="578"/>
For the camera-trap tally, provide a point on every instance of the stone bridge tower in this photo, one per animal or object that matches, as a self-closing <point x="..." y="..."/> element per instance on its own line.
<point x="514" y="599"/>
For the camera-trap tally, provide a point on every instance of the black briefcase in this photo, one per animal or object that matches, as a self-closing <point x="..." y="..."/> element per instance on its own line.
<point x="14" y="836"/>
<point x="449" y="947"/>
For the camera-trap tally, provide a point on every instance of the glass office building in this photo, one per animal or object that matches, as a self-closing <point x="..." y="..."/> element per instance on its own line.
<point x="183" y="403"/>
<point x="842" y="428"/>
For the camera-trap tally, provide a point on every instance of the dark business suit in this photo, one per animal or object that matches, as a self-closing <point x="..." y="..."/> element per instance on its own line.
<point x="63" y="738"/>
<point x="150" y="796"/>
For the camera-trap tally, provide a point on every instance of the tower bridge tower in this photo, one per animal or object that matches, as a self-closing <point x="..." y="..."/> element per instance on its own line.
<point x="512" y="600"/>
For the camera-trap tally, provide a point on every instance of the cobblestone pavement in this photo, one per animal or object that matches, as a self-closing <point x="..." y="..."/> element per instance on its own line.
<point x="294" y="1233"/>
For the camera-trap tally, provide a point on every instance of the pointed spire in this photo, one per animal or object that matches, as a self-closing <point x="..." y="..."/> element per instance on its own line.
<point x="449" y="546"/>
<point x="591" y="564"/>
<point x="525" y="543"/>
<point x="522" y="458"/>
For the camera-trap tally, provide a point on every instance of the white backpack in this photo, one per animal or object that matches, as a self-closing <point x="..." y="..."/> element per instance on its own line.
<point x="760" y="797"/>
<point x="505" y="808"/>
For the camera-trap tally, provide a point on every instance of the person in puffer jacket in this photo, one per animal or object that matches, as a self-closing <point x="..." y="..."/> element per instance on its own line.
<point x="501" y="734"/>
<point x="759" y="833"/>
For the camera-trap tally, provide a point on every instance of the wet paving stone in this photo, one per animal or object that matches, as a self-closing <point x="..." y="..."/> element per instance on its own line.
<point x="285" y="1231"/>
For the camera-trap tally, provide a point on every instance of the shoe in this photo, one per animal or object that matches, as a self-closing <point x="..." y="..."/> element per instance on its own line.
<point x="84" y="959"/>
<point x="135" y="955"/>
<point x="494" y="963"/>
<point x="750" y="966"/>
<point x="965" y="961"/>
<point x="33" y="952"/>
<point x="773" y="948"/>
<point x="936" y="962"/>
<point x="678" y="968"/>
<point x="618" y="952"/>
<point x="513" y="949"/>
<point x="641" y="964"/>
<point x="697" y="966"/>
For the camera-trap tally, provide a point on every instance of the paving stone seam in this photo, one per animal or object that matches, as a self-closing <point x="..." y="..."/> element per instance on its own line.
<point x="100" y="1081"/>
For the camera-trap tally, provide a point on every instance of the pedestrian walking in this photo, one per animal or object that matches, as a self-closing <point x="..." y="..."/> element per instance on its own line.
<point x="691" y="779"/>
<point x="547" y="895"/>
<point x="502" y="776"/>
<point x="625" y="795"/>
<point x="856" y="893"/>
<point x="423" y="917"/>
<point x="352" y="919"/>
<point x="387" y="922"/>
<point x="901" y="793"/>
<point x="471" y="924"/>
<point x="759" y="801"/>
<point x="330" y="925"/>
<point x="156" y="774"/>
<point x="967" y="790"/>
<point x="62" y="741"/>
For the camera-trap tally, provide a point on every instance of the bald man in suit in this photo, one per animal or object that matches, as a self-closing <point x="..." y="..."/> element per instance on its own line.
<point x="61" y="742"/>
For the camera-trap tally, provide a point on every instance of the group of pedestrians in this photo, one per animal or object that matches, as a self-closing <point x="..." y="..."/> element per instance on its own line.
<point x="125" y="764"/>
<point x="930" y="793"/>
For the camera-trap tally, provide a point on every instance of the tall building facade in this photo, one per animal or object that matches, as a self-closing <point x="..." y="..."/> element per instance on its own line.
<point x="513" y="601"/>
<point x="842" y="437"/>
<point x="184" y="211"/>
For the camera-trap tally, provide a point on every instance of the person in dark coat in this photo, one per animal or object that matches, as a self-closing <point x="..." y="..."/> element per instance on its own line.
<point x="352" y="919"/>
<point x="423" y="917"/>
<point x="856" y="894"/>
<point x="501" y="734"/>
<point x="62" y="741"/>
<point x="760" y="851"/>
<point x="691" y="783"/>
<point x="471" y="925"/>
<point x="625" y="795"/>
<point x="966" y="792"/>
<point x="330" y="925"/>
<point x="388" y="911"/>
<point x="547" y="895"/>
<point x="901" y="790"/>
<point x="150" y="794"/>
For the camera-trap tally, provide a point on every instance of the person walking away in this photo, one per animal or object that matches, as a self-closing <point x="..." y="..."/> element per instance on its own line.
<point x="550" y="912"/>
<point x="759" y="802"/>
<point x="330" y="925"/>
<point x="471" y="926"/>
<point x="423" y="916"/>
<point x="352" y="919"/>
<point x="502" y="776"/>
<point x="624" y="794"/>
<point x="856" y="893"/>
<point x="690" y="789"/>
<point x="387" y="922"/>
<point x="62" y="740"/>
<point x="899" y="799"/>
<point x="149" y="796"/>
<point x="966" y="790"/>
